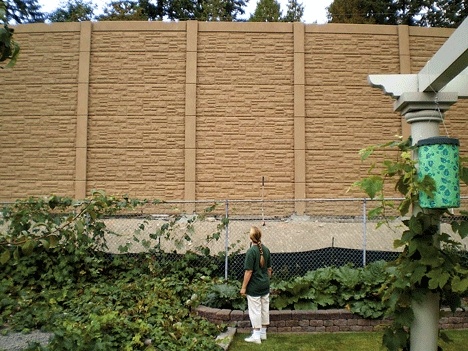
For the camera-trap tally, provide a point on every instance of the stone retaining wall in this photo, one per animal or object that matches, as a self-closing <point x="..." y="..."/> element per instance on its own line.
<point x="332" y="320"/>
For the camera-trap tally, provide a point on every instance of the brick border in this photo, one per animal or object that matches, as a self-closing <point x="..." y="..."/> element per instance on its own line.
<point x="323" y="321"/>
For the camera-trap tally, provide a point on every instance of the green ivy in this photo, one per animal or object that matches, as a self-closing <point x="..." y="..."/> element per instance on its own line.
<point x="430" y="261"/>
<point x="56" y="276"/>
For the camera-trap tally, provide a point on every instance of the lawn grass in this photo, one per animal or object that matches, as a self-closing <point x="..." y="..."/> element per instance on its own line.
<point x="334" y="342"/>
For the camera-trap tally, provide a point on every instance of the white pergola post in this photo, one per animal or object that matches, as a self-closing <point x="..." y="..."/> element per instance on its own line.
<point x="422" y="99"/>
<point x="424" y="331"/>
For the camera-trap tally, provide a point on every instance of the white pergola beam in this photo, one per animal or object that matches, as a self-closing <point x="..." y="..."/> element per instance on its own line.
<point x="446" y="71"/>
<point x="394" y="84"/>
<point x="447" y="63"/>
<point x="459" y="84"/>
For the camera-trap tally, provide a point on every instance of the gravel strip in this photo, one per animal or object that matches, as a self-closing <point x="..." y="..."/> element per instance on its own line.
<point x="19" y="341"/>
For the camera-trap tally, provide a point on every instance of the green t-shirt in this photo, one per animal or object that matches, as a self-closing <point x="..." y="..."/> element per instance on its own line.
<point x="259" y="284"/>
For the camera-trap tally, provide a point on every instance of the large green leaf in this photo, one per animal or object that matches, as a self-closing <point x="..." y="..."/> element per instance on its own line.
<point x="438" y="278"/>
<point x="463" y="229"/>
<point x="464" y="175"/>
<point x="5" y="256"/>
<point x="53" y="241"/>
<point x="28" y="247"/>
<point x="395" y="340"/>
<point x="415" y="225"/>
<point x="460" y="285"/>
<point x="371" y="185"/>
<point x="418" y="273"/>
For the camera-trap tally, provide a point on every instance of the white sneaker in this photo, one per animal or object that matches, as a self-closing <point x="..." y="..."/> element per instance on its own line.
<point x="252" y="339"/>
<point x="263" y="336"/>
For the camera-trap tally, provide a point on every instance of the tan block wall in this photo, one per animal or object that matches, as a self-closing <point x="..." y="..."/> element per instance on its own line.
<point x="245" y="116"/>
<point x="194" y="110"/>
<point x="38" y="113"/>
<point x="341" y="107"/>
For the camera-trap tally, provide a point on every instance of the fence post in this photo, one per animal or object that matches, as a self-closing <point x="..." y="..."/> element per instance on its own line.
<point x="226" y="242"/>
<point x="364" y="232"/>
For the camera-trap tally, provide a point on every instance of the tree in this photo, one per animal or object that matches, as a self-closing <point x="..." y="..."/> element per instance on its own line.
<point x="153" y="11"/>
<point x="9" y="49"/>
<point x="221" y="10"/>
<point x="409" y="12"/>
<point x="266" y="11"/>
<point x="73" y="11"/>
<point x="205" y="10"/>
<point x="124" y="10"/>
<point x="447" y="13"/>
<point x="362" y="11"/>
<point x="23" y="11"/>
<point x="294" y="12"/>
<point x="439" y="13"/>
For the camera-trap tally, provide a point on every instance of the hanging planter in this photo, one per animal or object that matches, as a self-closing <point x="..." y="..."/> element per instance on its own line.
<point x="439" y="158"/>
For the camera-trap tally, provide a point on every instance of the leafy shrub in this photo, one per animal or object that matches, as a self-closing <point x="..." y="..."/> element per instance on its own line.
<point x="56" y="277"/>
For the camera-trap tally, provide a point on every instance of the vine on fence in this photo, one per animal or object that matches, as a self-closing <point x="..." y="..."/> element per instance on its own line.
<point x="57" y="275"/>
<point x="430" y="261"/>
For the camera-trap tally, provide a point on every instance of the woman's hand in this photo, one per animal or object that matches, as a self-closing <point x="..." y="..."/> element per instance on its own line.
<point x="245" y="282"/>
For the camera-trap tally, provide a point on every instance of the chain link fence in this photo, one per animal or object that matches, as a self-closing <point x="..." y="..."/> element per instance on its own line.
<point x="331" y="232"/>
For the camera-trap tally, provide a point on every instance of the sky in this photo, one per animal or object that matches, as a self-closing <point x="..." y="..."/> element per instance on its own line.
<point x="314" y="10"/>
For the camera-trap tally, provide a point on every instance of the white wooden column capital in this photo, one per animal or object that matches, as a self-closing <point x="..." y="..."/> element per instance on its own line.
<point x="411" y="101"/>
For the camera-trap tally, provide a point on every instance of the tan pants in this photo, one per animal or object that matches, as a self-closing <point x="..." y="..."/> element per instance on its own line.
<point x="259" y="310"/>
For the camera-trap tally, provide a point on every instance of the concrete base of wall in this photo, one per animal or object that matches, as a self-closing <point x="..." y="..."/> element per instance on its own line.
<point x="321" y="321"/>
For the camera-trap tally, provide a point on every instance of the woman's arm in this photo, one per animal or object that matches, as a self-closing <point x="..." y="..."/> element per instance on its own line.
<point x="247" y="276"/>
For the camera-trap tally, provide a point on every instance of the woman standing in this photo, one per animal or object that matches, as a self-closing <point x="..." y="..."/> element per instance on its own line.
<point x="256" y="286"/>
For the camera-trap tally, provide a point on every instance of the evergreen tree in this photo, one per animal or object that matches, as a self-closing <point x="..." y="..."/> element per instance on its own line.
<point x="23" y="11"/>
<point x="135" y="10"/>
<point x="294" y="12"/>
<point x="182" y="9"/>
<point x="155" y="11"/>
<point x="9" y="49"/>
<point x="205" y="10"/>
<point x="123" y="10"/>
<point x="221" y="10"/>
<point x="439" y="13"/>
<point x="73" y="11"/>
<point x="362" y="11"/>
<point x="266" y="11"/>
<point x="409" y="11"/>
<point x="346" y="11"/>
<point x="447" y="13"/>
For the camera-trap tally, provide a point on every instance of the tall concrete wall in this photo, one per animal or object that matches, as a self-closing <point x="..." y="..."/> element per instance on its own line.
<point x="195" y="110"/>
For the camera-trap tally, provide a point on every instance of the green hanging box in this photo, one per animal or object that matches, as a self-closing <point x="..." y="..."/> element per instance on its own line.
<point x="439" y="158"/>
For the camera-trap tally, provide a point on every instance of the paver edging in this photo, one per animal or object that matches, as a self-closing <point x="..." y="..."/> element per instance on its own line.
<point x="332" y="320"/>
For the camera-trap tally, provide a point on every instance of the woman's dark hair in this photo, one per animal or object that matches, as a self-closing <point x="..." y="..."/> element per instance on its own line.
<point x="256" y="236"/>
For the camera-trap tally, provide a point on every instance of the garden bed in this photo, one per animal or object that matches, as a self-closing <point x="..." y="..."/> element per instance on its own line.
<point x="320" y="321"/>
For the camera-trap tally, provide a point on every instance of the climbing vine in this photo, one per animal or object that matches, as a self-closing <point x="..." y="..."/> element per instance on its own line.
<point x="58" y="275"/>
<point x="430" y="262"/>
